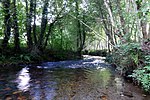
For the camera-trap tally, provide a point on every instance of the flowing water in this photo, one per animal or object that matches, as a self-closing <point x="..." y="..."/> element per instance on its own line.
<point x="87" y="79"/>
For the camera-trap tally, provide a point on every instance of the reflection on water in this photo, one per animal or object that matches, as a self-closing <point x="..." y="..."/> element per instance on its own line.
<point x="40" y="91"/>
<point x="99" y="77"/>
<point x="23" y="79"/>
<point x="63" y="83"/>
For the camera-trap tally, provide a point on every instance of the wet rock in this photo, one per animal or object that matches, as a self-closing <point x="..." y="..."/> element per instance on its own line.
<point x="128" y="94"/>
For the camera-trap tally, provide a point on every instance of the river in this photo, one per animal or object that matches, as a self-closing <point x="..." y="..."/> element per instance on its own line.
<point x="87" y="79"/>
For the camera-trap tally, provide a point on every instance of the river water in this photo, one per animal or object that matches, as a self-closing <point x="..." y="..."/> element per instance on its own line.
<point x="87" y="79"/>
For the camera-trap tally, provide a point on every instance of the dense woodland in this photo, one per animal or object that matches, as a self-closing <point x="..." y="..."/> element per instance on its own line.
<point x="40" y="29"/>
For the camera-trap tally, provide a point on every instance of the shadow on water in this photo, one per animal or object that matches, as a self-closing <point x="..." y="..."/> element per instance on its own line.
<point x="67" y="80"/>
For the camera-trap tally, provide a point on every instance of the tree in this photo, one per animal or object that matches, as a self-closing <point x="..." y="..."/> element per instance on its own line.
<point x="142" y="17"/>
<point x="7" y="22"/>
<point x="34" y="25"/>
<point x="43" y="24"/>
<point x="29" y="14"/>
<point x="16" y="29"/>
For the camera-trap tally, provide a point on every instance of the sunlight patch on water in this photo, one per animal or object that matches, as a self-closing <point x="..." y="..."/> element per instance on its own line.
<point x="23" y="80"/>
<point x="92" y="57"/>
<point x="99" y="67"/>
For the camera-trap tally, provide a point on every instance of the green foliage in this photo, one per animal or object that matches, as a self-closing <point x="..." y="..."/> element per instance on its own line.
<point x="142" y="75"/>
<point x="25" y="57"/>
<point x="127" y="56"/>
<point x="133" y="57"/>
<point x="109" y="58"/>
<point x="147" y="58"/>
<point x="11" y="57"/>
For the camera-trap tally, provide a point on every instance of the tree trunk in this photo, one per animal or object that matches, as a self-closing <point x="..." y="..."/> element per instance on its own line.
<point x="122" y="20"/>
<point x="47" y="36"/>
<point x="34" y="25"/>
<point x="142" y="22"/>
<point x="144" y="32"/>
<point x="15" y="26"/>
<point x="79" y="34"/>
<point x="108" y="5"/>
<point x="149" y="32"/>
<point x="43" y="25"/>
<point x="83" y="33"/>
<point x="28" y="23"/>
<point x="103" y="16"/>
<point x="7" y="23"/>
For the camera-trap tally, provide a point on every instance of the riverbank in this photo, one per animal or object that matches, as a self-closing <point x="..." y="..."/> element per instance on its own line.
<point x="132" y="60"/>
<point x="12" y="58"/>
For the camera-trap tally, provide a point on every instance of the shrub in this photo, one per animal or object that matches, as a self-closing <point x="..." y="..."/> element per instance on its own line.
<point x="142" y="75"/>
<point x="134" y="58"/>
<point x="127" y="56"/>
